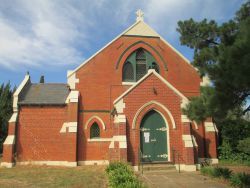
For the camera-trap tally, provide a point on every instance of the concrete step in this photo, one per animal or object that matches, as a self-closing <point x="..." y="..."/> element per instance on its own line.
<point x="158" y="167"/>
<point x="159" y="172"/>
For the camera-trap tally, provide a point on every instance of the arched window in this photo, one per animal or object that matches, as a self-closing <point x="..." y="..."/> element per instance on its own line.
<point x="127" y="72"/>
<point x="137" y="65"/>
<point x="94" y="131"/>
<point x="141" y="65"/>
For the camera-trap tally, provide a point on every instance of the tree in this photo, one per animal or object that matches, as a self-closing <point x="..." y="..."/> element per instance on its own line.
<point x="221" y="52"/>
<point x="6" y="94"/>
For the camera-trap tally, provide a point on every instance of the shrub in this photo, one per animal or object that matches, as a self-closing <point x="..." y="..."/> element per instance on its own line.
<point x="240" y="180"/>
<point x="121" y="175"/>
<point x="243" y="146"/>
<point x="207" y="170"/>
<point x="240" y="156"/>
<point x="216" y="172"/>
<point x="222" y="172"/>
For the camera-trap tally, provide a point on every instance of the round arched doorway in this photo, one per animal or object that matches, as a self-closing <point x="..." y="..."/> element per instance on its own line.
<point x="153" y="138"/>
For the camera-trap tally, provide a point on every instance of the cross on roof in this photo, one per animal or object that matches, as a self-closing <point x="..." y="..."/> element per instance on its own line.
<point x="139" y="15"/>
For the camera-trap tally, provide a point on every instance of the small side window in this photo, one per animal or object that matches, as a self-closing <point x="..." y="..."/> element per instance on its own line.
<point x="94" y="131"/>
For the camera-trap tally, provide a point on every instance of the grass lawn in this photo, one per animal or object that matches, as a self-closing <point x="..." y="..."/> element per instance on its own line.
<point x="44" y="176"/>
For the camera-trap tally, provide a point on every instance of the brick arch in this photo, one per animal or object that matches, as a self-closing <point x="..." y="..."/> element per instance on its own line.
<point x="158" y="107"/>
<point x="96" y="119"/>
<point x="144" y="45"/>
<point x="153" y="105"/>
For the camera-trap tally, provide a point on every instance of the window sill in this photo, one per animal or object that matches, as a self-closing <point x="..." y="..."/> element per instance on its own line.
<point x="99" y="139"/>
<point x="128" y="83"/>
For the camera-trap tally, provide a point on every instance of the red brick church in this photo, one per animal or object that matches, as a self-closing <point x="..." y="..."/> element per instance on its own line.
<point x="124" y="103"/>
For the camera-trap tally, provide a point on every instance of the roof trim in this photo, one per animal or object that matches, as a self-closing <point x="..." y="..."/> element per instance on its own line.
<point x="151" y="71"/>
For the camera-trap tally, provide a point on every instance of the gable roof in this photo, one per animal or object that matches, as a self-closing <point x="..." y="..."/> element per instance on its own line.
<point x="44" y="94"/>
<point x="151" y="71"/>
<point x="139" y="28"/>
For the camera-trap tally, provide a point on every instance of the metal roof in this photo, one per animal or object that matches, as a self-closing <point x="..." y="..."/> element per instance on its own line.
<point x="44" y="94"/>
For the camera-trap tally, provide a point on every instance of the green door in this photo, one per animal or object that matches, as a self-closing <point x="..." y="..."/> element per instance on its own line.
<point x="153" y="138"/>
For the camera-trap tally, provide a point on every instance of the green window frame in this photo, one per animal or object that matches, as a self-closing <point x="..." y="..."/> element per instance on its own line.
<point x="94" y="131"/>
<point x="137" y="65"/>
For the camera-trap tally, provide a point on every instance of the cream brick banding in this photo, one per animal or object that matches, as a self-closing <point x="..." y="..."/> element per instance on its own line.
<point x="13" y="118"/>
<point x="97" y="118"/>
<point x="122" y="139"/>
<point x="72" y="80"/>
<point x="100" y="139"/>
<point x="120" y="118"/>
<point x="210" y="127"/>
<point x="187" y="168"/>
<point x="10" y="140"/>
<point x="71" y="126"/>
<point x="120" y="106"/>
<point x="72" y="97"/>
<point x="185" y="119"/>
<point x="93" y="162"/>
<point x="7" y="165"/>
<point x="189" y="141"/>
<point x="49" y="163"/>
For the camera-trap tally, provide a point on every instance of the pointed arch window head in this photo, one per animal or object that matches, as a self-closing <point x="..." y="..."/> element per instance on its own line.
<point x="94" y="131"/>
<point x="137" y="65"/>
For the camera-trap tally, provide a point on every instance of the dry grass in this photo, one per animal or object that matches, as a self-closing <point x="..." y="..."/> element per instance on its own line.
<point x="43" y="176"/>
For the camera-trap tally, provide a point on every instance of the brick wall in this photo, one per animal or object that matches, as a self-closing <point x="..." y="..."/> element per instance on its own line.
<point x="39" y="137"/>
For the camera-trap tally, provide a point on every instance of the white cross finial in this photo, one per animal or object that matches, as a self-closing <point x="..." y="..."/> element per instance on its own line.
<point x="139" y="15"/>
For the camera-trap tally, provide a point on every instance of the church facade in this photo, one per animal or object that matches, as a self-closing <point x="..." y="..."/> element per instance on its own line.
<point x="122" y="104"/>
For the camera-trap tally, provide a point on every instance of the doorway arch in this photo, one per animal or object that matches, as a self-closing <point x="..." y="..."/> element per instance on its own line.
<point x="154" y="138"/>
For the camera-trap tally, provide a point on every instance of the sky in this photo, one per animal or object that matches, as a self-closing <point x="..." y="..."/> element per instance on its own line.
<point x="49" y="37"/>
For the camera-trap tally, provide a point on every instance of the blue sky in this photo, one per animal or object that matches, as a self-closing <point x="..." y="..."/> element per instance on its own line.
<point x="48" y="37"/>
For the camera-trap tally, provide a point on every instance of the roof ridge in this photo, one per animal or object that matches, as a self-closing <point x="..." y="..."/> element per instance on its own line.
<point x="49" y="83"/>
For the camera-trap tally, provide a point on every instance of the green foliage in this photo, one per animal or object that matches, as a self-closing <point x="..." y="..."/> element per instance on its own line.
<point x="121" y="175"/>
<point x="208" y="170"/>
<point x="225" y="151"/>
<point x="216" y="172"/>
<point x="201" y="107"/>
<point x="222" y="172"/>
<point x="5" y="111"/>
<point x="236" y="180"/>
<point x="231" y="156"/>
<point x="221" y="52"/>
<point x="244" y="146"/>
<point x="240" y="180"/>
<point x="234" y="129"/>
